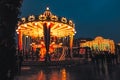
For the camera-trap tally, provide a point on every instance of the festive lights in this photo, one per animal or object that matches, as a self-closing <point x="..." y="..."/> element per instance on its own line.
<point x="33" y="27"/>
<point x="59" y="24"/>
<point x="100" y="44"/>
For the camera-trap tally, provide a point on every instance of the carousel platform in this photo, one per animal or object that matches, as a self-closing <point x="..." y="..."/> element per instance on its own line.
<point x="64" y="63"/>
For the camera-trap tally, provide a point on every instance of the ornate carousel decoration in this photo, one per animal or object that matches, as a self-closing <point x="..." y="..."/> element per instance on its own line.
<point x="46" y="29"/>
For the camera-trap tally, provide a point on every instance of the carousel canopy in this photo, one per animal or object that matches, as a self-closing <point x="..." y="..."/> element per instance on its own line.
<point x="33" y="25"/>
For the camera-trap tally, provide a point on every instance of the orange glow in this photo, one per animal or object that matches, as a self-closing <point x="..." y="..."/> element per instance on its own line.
<point x="33" y="27"/>
<point x="64" y="74"/>
<point x="41" y="76"/>
<point x="20" y="41"/>
<point x="100" y="44"/>
<point x="43" y="49"/>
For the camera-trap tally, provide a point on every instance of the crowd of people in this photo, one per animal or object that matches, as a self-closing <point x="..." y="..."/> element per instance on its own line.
<point x="104" y="56"/>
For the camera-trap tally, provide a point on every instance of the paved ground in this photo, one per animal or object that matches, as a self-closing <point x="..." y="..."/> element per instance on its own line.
<point x="87" y="71"/>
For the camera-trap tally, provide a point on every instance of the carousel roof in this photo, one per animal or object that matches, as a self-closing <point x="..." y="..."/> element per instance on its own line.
<point x="33" y="25"/>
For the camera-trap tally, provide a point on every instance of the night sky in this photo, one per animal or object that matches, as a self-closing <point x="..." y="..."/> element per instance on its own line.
<point x="91" y="17"/>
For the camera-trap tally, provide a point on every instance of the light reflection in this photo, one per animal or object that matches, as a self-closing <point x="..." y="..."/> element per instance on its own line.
<point x="63" y="74"/>
<point x="84" y="72"/>
<point x="52" y="75"/>
<point x="41" y="75"/>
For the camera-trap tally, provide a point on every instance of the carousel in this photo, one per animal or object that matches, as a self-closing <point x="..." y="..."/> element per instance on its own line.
<point x="46" y="34"/>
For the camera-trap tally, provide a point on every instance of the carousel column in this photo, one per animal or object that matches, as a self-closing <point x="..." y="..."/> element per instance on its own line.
<point x="46" y="31"/>
<point x="71" y="44"/>
<point x="20" y="41"/>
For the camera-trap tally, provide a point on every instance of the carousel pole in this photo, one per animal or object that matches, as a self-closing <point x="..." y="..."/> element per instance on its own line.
<point x="46" y="31"/>
<point x="71" y="44"/>
<point x="20" y="41"/>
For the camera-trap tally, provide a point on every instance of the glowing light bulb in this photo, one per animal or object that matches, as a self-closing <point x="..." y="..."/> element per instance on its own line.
<point x="47" y="8"/>
<point x="36" y="24"/>
<point x="25" y="25"/>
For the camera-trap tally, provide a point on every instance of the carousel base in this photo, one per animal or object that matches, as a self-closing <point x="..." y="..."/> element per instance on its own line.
<point x="61" y="63"/>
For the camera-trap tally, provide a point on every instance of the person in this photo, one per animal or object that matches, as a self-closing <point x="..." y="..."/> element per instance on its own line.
<point x="20" y="57"/>
<point x="37" y="53"/>
<point x="32" y="54"/>
<point x="26" y="54"/>
<point x="116" y="58"/>
<point x="47" y="57"/>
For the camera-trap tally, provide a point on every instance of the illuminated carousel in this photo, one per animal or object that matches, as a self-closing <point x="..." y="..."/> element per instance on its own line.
<point x="46" y="33"/>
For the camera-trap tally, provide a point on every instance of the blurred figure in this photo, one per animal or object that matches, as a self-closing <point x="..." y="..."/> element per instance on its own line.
<point x="20" y="60"/>
<point x="37" y="53"/>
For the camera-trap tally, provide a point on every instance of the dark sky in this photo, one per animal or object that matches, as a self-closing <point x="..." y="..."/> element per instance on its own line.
<point x="91" y="17"/>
